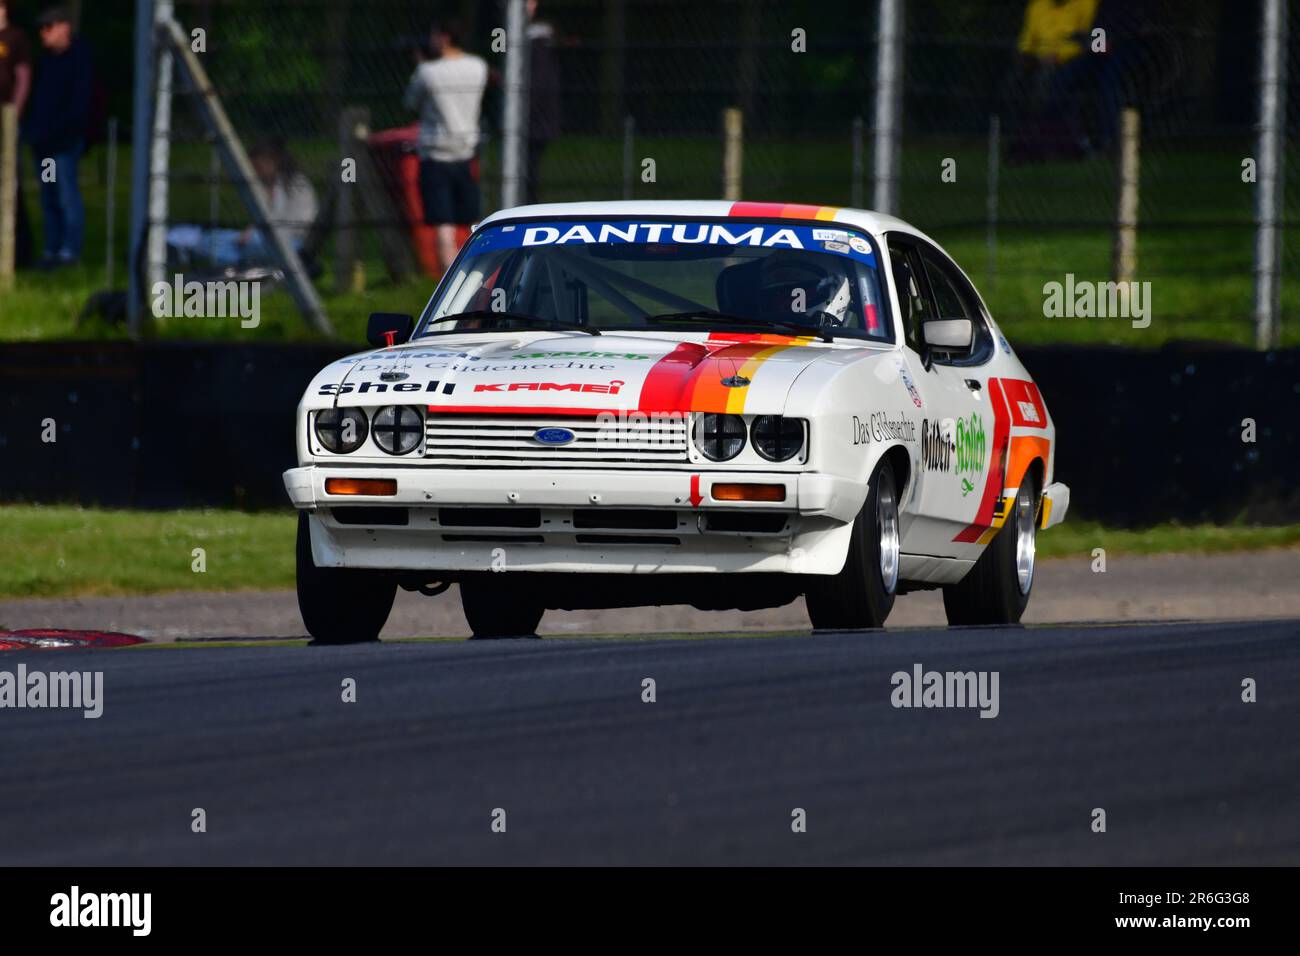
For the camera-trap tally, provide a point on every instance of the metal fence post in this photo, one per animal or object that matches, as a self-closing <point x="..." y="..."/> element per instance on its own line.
<point x="159" y="155"/>
<point x="141" y="123"/>
<point x="1268" y="197"/>
<point x="733" y="139"/>
<point x="514" y="139"/>
<point x="1124" y="252"/>
<point x="888" y="88"/>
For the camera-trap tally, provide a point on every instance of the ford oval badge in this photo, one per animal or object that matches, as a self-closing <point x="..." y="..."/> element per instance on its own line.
<point x="553" y="436"/>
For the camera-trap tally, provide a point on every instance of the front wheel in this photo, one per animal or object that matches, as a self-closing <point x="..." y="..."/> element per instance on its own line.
<point x="862" y="594"/>
<point x="341" y="605"/>
<point x="499" y="608"/>
<point x="996" y="590"/>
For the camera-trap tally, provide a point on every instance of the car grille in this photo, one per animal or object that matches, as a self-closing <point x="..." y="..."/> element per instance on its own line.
<point x="505" y="440"/>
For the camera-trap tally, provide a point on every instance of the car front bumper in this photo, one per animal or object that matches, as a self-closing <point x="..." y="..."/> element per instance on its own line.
<point x="563" y="530"/>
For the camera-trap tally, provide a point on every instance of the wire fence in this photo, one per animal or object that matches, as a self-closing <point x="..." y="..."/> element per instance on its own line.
<point x="1008" y="153"/>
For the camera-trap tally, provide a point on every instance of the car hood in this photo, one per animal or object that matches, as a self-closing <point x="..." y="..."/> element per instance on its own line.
<point x="558" y="373"/>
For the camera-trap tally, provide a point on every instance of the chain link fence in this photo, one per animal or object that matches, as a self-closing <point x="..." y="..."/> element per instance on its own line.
<point x="1008" y="154"/>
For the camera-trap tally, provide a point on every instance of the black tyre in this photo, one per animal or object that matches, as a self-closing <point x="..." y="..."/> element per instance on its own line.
<point x="862" y="594"/>
<point x="341" y="605"/>
<point x="996" y="590"/>
<point x="499" y="607"/>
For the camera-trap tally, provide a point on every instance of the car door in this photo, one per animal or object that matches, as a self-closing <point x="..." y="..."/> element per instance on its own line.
<point x="956" y="428"/>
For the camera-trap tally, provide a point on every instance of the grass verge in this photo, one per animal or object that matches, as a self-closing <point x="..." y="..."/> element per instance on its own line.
<point x="68" y="551"/>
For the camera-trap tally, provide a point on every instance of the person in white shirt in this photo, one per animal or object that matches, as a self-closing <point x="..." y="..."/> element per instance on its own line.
<point x="289" y="198"/>
<point x="447" y="95"/>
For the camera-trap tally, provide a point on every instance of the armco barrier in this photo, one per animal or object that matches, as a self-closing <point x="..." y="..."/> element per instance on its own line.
<point x="1144" y="436"/>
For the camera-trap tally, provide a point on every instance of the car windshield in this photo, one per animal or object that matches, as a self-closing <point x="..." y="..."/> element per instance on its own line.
<point x="601" y="275"/>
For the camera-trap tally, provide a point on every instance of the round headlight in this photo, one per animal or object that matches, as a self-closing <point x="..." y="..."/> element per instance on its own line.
<point x="341" y="430"/>
<point x="719" y="437"/>
<point x="777" y="438"/>
<point x="398" y="429"/>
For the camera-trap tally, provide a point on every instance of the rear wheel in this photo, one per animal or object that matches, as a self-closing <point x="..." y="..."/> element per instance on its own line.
<point x="862" y="594"/>
<point x="996" y="590"/>
<point x="498" y="608"/>
<point x="341" y="605"/>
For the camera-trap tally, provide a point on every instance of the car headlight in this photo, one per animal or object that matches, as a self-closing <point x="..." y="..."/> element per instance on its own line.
<point x="398" y="429"/>
<point x="719" y="437"/>
<point x="341" y="430"/>
<point x="777" y="438"/>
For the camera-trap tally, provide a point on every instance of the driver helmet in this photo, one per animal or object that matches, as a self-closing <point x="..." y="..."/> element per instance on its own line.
<point x="824" y="284"/>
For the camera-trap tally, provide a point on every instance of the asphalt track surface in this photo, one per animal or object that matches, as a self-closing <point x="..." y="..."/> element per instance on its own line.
<point x="1145" y="721"/>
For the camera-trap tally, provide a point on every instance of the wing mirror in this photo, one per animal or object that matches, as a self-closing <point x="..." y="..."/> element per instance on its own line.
<point x="389" y="329"/>
<point x="949" y="335"/>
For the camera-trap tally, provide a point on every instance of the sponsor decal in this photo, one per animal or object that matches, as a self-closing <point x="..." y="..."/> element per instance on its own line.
<point x="629" y="356"/>
<point x="966" y="487"/>
<point x="938" y="446"/>
<point x="835" y="246"/>
<point x="880" y="427"/>
<point x="1006" y="346"/>
<point x="655" y="233"/>
<point x="906" y="376"/>
<point x="588" y="387"/>
<point x="830" y="235"/>
<point x="393" y="376"/>
<point x="367" y="388"/>
<point x="1026" y="404"/>
<point x="983" y="527"/>
<point x="662" y="236"/>
<point x="970" y="445"/>
<point x="407" y="354"/>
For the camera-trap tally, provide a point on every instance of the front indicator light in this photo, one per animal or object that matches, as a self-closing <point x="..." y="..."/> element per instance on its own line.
<point x="748" y="491"/>
<point x="377" y="487"/>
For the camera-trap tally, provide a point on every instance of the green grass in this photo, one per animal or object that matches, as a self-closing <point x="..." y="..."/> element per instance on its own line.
<point x="59" y="551"/>
<point x="65" y="551"/>
<point x="1055" y="221"/>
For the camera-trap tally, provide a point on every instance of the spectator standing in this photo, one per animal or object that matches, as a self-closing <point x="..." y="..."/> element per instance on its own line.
<point x="55" y="126"/>
<point x="15" y="87"/>
<point x="543" y="97"/>
<point x="447" y="95"/>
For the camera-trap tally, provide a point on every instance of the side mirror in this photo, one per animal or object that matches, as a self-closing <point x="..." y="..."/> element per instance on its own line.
<point x="386" y="329"/>
<point x="949" y="335"/>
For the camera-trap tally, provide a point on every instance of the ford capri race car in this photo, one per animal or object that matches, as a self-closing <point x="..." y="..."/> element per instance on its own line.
<point x="728" y="405"/>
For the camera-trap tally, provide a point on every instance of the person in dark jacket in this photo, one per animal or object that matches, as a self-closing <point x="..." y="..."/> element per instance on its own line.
<point x="544" y="96"/>
<point x="55" y="127"/>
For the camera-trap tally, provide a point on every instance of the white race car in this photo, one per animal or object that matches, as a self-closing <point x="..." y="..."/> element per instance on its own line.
<point x="721" y="404"/>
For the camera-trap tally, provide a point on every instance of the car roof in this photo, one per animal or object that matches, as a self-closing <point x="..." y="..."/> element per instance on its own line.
<point x="875" y="223"/>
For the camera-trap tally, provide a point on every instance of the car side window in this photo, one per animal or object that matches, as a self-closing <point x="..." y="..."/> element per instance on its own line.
<point x="956" y="299"/>
<point x="949" y="302"/>
<point x="913" y="293"/>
